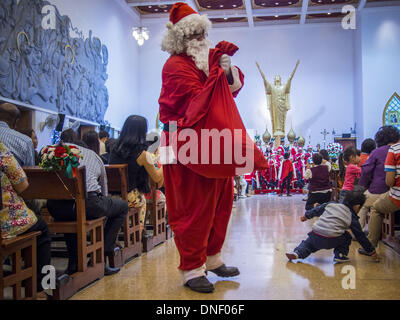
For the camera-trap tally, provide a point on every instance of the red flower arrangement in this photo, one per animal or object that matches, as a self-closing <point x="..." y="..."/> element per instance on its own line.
<point x="61" y="157"/>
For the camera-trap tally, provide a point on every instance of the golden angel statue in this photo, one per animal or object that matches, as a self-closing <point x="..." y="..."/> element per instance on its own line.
<point x="278" y="102"/>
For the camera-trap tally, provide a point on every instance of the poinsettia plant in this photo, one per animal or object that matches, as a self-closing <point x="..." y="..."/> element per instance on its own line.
<point x="61" y="157"/>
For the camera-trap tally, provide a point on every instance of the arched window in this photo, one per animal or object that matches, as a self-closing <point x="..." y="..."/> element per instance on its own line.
<point x="391" y="114"/>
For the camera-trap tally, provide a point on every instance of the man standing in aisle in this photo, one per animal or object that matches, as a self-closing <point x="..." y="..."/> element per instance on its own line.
<point x="199" y="201"/>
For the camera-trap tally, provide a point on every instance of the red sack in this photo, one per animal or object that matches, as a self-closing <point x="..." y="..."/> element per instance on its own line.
<point x="211" y="114"/>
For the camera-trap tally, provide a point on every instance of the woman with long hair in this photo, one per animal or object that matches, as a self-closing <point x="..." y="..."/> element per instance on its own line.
<point x="131" y="149"/>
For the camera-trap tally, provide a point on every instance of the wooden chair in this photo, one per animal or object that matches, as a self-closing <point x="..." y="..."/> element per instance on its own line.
<point x="20" y="249"/>
<point x="238" y="187"/>
<point x="334" y="177"/>
<point x="90" y="234"/>
<point x="389" y="231"/>
<point x="117" y="177"/>
<point x="158" y="223"/>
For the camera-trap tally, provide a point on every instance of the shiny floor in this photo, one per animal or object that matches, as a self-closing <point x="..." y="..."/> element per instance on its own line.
<point x="262" y="229"/>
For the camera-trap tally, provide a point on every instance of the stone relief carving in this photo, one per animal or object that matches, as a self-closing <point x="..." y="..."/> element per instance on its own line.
<point x="48" y="67"/>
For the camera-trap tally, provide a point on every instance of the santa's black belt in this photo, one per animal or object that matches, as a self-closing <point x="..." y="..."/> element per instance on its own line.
<point x="168" y="129"/>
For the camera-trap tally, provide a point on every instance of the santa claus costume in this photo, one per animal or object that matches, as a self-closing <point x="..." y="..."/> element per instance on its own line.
<point x="300" y="166"/>
<point x="308" y="155"/>
<point x="198" y="86"/>
<point x="294" y="150"/>
<point x="287" y="173"/>
<point x="273" y="172"/>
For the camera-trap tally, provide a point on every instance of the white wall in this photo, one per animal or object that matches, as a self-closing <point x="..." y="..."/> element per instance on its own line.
<point x="112" y="24"/>
<point x="380" y="63"/>
<point x="322" y="94"/>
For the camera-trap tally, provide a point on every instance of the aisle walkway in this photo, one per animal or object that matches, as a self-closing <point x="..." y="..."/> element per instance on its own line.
<point x="262" y="229"/>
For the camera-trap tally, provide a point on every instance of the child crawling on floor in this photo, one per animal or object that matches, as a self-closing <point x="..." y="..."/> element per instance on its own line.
<point x="330" y="230"/>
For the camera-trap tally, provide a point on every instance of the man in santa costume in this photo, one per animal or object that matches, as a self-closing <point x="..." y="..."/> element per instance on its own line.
<point x="294" y="150"/>
<point x="199" y="204"/>
<point x="308" y="155"/>
<point x="300" y="169"/>
<point x="273" y="172"/>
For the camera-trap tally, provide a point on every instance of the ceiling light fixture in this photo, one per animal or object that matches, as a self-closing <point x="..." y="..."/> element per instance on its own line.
<point x="140" y="34"/>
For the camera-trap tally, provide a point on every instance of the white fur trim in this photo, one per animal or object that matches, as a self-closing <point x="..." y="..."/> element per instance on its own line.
<point x="214" y="262"/>
<point x="174" y="40"/>
<point x="237" y="84"/>
<point x="191" y="274"/>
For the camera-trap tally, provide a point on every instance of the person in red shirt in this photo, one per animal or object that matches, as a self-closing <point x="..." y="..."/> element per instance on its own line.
<point x="353" y="172"/>
<point x="287" y="173"/>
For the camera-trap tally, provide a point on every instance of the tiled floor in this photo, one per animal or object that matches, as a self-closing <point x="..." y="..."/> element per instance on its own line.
<point x="262" y="229"/>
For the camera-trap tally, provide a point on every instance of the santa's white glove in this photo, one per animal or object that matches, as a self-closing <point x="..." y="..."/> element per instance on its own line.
<point x="225" y="63"/>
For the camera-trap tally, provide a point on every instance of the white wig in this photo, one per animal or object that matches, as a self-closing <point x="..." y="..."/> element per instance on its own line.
<point x="174" y="39"/>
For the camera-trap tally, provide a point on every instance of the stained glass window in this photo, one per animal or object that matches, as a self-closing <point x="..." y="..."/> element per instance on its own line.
<point x="391" y="114"/>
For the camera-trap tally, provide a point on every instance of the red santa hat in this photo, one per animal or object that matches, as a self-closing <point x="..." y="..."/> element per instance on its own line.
<point x="183" y="22"/>
<point x="180" y="10"/>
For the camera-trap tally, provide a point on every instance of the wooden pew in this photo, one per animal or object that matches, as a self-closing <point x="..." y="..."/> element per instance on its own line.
<point x="334" y="177"/>
<point x="90" y="234"/>
<point x="20" y="248"/>
<point x="389" y="227"/>
<point x="117" y="178"/>
<point x="158" y="223"/>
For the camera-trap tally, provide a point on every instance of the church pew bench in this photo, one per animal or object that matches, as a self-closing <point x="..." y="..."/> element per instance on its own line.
<point x="158" y="224"/>
<point x="117" y="180"/>
<point x="334" y="178"/>
<point x="22" y="252"/>
<point x="389" y="227"/>
<point x="90" y="233"/>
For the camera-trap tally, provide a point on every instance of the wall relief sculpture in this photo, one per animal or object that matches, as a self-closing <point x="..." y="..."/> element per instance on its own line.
<point x="46" y="67"/>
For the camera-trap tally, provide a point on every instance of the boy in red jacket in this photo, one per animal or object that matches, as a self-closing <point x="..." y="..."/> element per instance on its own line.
<point x="286" y="174"/>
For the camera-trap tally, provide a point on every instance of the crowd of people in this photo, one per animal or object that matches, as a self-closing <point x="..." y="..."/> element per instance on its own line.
<point x="17" y="150"/>
<point x="371" y="184"/>
<point x="287" y="169"/>
<point x="199" y="205"/>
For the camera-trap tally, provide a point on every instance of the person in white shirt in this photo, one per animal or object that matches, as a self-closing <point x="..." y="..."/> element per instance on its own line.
<point x="103" y="137"/>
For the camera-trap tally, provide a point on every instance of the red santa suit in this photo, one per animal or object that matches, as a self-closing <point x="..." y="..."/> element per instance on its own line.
<point x="308" y="154"/>
<point x="300" y="165"/>
<point x="286" y="167"/>
<point x="293" y="152"/>
<point x="273" y="174"/>
<point x="199" y="196"/>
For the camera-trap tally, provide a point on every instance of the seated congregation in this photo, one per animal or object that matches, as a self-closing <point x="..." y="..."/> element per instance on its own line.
<point x="113" y="208"/>
<point x="108" y="213"/>
<point x="369" y="200"/>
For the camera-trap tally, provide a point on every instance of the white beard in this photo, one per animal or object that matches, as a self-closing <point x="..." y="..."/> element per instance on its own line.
<point x="199" y="51"/>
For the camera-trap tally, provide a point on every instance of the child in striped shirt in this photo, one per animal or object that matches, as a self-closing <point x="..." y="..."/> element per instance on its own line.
<point x="389" y="202"/>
